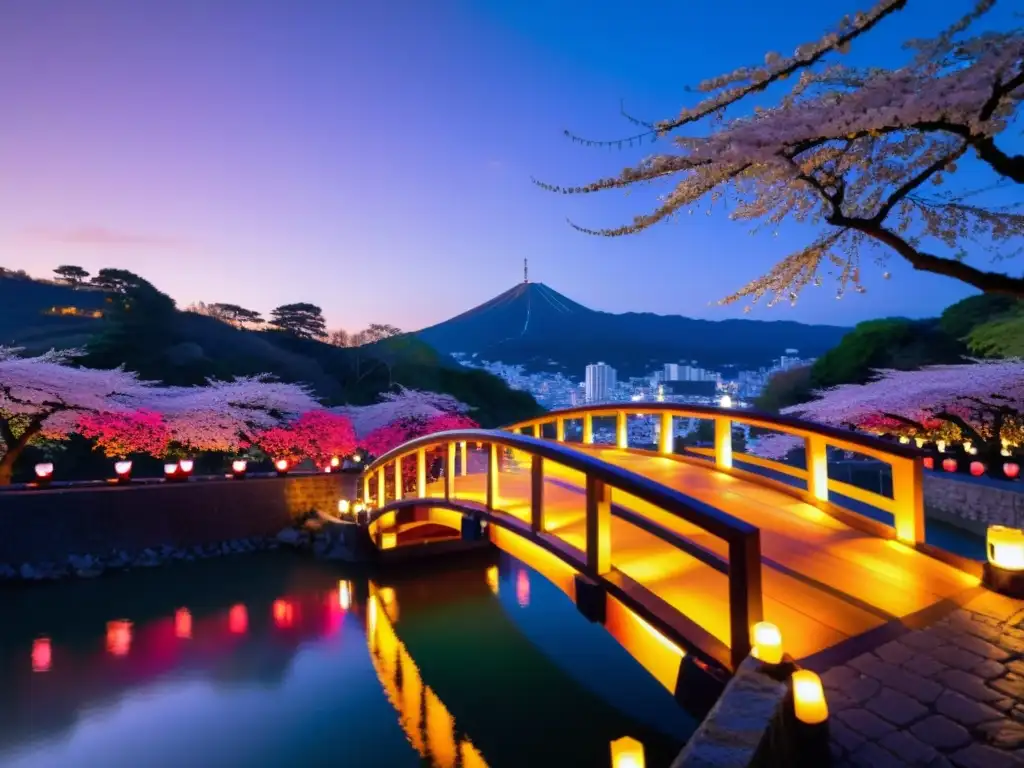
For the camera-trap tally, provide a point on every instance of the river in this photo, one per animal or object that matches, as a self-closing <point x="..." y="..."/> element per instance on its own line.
<point x="274" y="660"/>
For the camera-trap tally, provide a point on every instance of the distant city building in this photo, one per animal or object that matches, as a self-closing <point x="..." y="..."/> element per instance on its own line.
<point x="690" y="389"/>
<point x="600" y="382"/>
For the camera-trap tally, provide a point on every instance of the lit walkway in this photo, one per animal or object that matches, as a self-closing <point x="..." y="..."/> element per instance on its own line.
<point x="823" y="582"/>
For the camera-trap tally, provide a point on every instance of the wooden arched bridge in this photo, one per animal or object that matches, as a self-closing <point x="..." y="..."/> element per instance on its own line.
<point x="688" y="551"/>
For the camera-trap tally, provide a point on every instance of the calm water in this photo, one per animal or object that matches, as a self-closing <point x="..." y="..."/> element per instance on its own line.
<point x="270" y="660"/>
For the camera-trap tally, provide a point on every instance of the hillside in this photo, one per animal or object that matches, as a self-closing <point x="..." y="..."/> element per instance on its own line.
<point x="537" y="327"/>
<point x="185" y="348"/>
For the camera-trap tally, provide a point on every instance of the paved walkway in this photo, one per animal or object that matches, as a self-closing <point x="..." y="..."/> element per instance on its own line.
<point x="949" y="694"/>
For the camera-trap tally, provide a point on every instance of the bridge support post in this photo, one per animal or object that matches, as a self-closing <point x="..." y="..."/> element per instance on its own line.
<point x="599" y="527"/>
<point x="421" y="473"/>
<point x="666" y="438"/>
<point x="746" y="607"/>
<point x="817" y="467"/>
<point x="463" y="459"/>
<point x="723" y="443"/>
<point x="560" y="430"/>
<point x="382" y="479"/>
<point x="591" y="599"/>
<point x="908" y="496"/>
<point x="536" y="494"/>
<point x="449" y="473"/>
<point x="492" y="475"/>
<point x="621" y="431"/>
<point x="535" y="430"/>
<point x="398" y="478"/>
<point x="588" y="429"/>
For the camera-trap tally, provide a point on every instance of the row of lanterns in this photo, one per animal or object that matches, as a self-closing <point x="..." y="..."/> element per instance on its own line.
<point x="1011" y="469"/>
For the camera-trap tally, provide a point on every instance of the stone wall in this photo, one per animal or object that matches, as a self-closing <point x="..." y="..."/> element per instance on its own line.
<point x="973" y="503"/>
<point x="50" y="525"/>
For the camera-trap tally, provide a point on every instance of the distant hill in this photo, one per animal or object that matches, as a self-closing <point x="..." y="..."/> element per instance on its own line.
<point x="191" y="347"/>
<point x="535" y="326"/>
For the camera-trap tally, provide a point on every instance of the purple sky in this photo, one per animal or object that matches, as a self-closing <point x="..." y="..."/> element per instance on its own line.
<point x="374" y="158"/>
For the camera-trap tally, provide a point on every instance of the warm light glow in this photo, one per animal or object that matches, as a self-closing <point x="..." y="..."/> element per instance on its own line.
<point x="809" y="698"/>
<point x="343" y="506"/>
<point x="186" y="465"/>
<point x="284" y="613"/>
<point x="523" y="588"/>
<point x="929" y="462"/>
<point x="1011" y="469"/>
<point x="170" y="469"/>
<point x="767" y="643"/>
<point x="725" y="401"/>
<point x="344" y="595"/>
<point x="904" y="439"/>
<point x="977" y="468"/>
<point x="358" y="507"/>
<point x="941" y="445"/>
<point x="492" y="578"/>
<point x="44" y="471"/>
<point x="238" y="466"/>
<point x="967" y="446"/>
<point x="122" y="467"/>
<point x="357" y="458"/>
<point x="238" y="619"/>
<point x="281" y="465"/>
<point x="627" y="752"/>
<point x="1006" y="547"/>
<point x="919" y="441"/>
<point x="387" y="595"/>
<point x="949" y="465"/>
<point x="389" y="541"/>
<point x="335" y="461"/>
<point x="119" y="637"/>
<point x="183" y="624"/>
<point x="42" y="655"/>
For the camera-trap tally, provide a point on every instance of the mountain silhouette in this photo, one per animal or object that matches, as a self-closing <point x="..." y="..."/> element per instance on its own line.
<point x="537" y="327"/>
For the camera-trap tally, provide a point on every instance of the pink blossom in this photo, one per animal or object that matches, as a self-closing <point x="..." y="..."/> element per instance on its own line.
<point x="319" y="435"/>
<point x="393" y="407"/>
<point x="383" y="439"/>
<point x="119" y="434"/>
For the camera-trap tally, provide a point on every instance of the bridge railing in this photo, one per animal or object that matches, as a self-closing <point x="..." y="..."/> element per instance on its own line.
<point x="906" y="505"/>
<point x="742" y="565"/>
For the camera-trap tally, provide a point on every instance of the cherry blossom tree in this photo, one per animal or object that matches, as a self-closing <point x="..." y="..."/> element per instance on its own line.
<point x="46" y="396"/>
<point x="982" y="402"/>
<point x="122" y="433"/>
<point x="318" y="435"/>
<point x="859" y="153"/>
<point x="399" y="406"/>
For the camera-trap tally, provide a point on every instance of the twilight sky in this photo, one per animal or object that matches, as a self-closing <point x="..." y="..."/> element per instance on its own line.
<point x="374" y="158"/>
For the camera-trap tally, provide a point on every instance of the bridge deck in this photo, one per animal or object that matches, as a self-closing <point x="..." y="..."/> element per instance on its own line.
<point x="823" y="581"/>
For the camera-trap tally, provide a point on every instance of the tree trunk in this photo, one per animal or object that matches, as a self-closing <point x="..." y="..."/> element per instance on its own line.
<point x="7" y="465"/>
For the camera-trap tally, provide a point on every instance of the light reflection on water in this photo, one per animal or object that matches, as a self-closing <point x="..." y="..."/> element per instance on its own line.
<point x="269" y="660"/>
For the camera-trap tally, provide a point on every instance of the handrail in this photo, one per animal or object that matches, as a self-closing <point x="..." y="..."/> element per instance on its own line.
<point x="743" y="539"/>
<point x="906" y="504"/>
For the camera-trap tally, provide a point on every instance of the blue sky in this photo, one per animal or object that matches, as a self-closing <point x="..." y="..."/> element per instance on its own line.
<point x="375" y="158"/>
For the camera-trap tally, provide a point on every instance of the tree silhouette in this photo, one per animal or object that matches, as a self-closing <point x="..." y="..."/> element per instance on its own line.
<point x="119" y="280"/>
<point x="305" y="321"/>
<point x="236" y="315"/>
<point x="71" y="274"/>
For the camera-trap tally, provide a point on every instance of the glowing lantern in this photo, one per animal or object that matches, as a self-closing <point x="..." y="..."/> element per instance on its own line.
<point x="239" y="468"/>
<point x="284" y="613"/>
<point x="389" y="541"/>
<point x="767" y="643"/>
<point x="42" y="655"/>
<point x="344" y="595"/>
<point x="358" y="507"/>
<point x="186" y="466"/>
<point x="809" y="698"/>
<point x="344" y="505"/>
<point x="44" y="471"/>
<point x="1006" y="547"/>
<point x="977" y="468"/>
<point x="1011" y="469"/>
<point x="119" y="637"/>
<point x="124" y="471"/>
<point x="949" y="465"/>
<point x="492" y="578"/>
<point x="725" y="401"/>
<point x="183" y="624"/>
<point x="335" y="461"/>
<point x="627" y="752"/>
<point x="929" y="462"/>
<point x="238" y="619"/>
<point x="281" y="465"/>
<point x="170" y="470"/>
<point x="919" y="441"/>
<point x="941" y="445"/>
<point x="357" y="458"/>
<point x="904" y="439"/>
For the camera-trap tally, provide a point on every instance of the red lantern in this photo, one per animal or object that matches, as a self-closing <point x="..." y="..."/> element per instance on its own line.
<point x="1011" y="469"/>
<point x="929" y="462"/>
<point x="977" y="468"/>
<point x="949" y="465"/>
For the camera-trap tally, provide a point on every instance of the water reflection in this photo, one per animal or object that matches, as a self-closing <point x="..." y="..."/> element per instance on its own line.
<point x="268" y="661"/>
